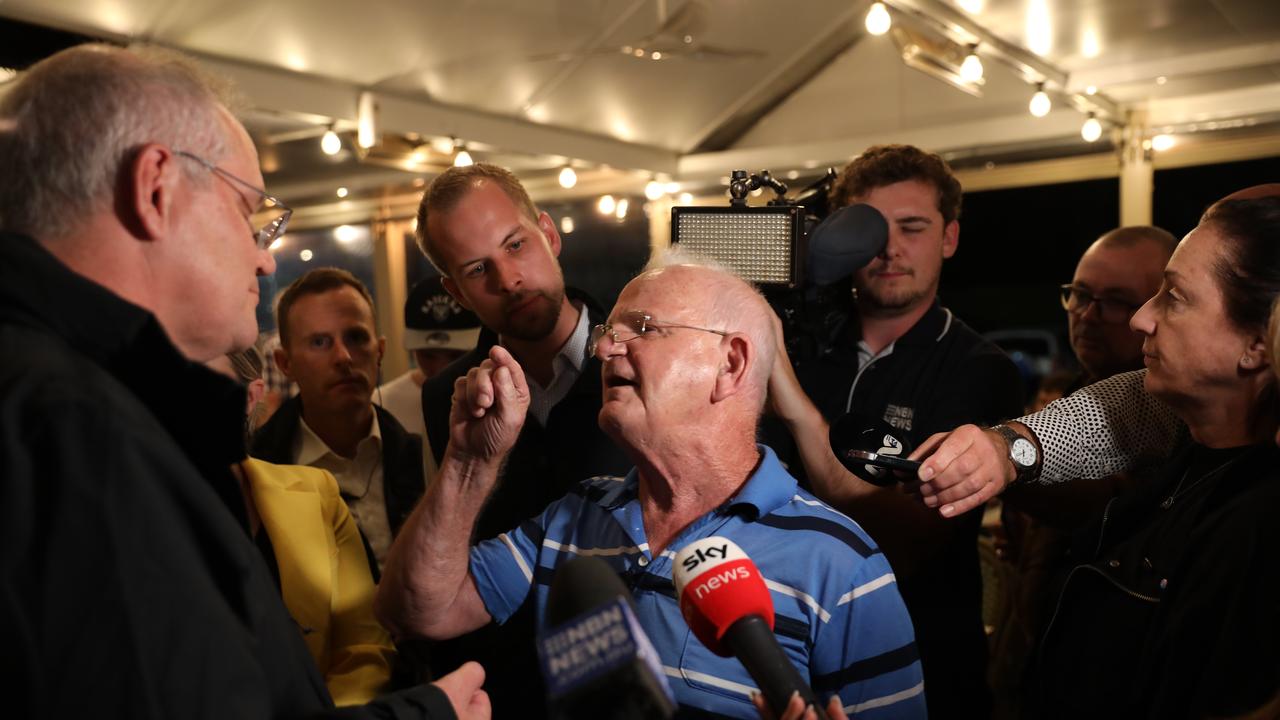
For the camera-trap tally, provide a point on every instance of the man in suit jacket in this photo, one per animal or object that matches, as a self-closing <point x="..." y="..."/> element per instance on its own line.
<point x="330" y="347"/>
<point x="497" y="255"/>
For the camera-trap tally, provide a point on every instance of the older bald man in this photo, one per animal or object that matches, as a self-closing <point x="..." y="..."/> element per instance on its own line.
<point x="686" y="354"/>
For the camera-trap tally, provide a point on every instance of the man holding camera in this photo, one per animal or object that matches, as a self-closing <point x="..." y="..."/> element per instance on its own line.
<point x="905" y="362"/>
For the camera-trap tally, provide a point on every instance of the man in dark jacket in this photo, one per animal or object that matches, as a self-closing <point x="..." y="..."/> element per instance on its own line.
<point x="129" y="586"/>
<point x="330" y="348"/>
<point x="498" y="257"/>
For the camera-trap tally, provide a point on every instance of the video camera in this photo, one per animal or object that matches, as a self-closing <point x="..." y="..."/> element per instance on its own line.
<point x="800" y="256"/>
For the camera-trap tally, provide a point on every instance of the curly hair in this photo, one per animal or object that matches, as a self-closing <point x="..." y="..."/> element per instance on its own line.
<point x="881" y="165"/>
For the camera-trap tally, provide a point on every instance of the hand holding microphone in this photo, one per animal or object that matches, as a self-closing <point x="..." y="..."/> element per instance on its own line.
<point x="872" y="449"/>
<point x="725" y="601"/>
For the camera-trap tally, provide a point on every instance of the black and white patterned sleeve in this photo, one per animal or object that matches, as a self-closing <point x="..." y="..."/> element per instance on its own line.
<point x="1104" y="428"/>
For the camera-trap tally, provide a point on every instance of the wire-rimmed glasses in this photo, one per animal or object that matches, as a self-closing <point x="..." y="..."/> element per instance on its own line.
<point x="278" y="213"/>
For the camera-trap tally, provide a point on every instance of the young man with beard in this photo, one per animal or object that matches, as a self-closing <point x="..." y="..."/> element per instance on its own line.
<point x="330" y="348"/>
<point x="905" y="360"/>
<point x="497" y="254"/>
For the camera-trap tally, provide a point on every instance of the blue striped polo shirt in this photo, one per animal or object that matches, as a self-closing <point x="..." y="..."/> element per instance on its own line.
<point x="839" y="616"/>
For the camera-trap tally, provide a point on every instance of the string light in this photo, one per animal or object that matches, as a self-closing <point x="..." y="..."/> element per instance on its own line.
<point x="1040" y="103"/>
<point x="463" y="158"/>
<point x="331" y="144"/>
<point x="568" y="178"/>
<point x="1091" y="130"/>
<point x="971" y="69"/>
<point x="878" y="21"/>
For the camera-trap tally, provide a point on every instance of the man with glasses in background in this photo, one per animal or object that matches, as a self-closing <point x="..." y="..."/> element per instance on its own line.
<point x="686" y="356"/>
<point x="131" y="242"/>
<point x="1117" y="274"/>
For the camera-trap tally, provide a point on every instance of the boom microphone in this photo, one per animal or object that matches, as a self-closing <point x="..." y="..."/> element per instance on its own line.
<point x="890" y="445"/>
<point x="727" y="605"/>
<point x="845" y="242"/>
<point x="597" y="661"/>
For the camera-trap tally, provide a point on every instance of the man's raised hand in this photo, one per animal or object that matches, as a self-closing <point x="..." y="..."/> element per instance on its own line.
<point x="489" y="406"/>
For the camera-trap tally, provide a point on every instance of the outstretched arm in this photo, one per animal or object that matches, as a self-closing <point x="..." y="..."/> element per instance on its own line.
<point x="427" y="589"/>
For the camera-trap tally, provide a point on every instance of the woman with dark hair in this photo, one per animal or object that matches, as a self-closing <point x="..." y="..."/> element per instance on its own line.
<point x="1174" y="607"/>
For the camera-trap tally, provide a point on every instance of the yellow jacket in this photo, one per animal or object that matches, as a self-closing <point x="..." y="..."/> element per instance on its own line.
<point x="324" y="577"/>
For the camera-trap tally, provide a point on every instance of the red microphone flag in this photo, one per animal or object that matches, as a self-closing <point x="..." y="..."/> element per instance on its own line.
<point x="717" y="585"/>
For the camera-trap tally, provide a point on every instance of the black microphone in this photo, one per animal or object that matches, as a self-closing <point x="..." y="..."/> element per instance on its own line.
<point x="597" y="661"/>
<point x="871" y="448"/>
<point x="844" y="242"/>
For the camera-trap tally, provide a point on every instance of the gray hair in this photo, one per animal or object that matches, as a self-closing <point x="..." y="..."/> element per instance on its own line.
<point x="76" y="119"/>
<point x="735" y="305"/>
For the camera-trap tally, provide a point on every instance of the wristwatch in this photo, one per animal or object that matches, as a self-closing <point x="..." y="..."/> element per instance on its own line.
<point x="1022" y="453"/>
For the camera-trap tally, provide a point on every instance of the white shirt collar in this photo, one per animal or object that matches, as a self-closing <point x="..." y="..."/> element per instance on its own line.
<point x="309" y="448"/>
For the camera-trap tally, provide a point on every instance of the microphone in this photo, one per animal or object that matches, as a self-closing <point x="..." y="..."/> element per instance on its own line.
<point x="844" y="242"/>
<point x="890" y="446"/>
<point x="725" y="602"/>
<point x="596" y="660"/>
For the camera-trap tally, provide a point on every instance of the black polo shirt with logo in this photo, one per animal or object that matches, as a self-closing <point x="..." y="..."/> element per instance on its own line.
<point x="940" y="374"/>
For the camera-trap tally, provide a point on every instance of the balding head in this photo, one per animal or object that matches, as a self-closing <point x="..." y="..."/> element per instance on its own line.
<point x="699" y="373"/>
<point x="726" y="300"/>
<point x="1122" y="269"/>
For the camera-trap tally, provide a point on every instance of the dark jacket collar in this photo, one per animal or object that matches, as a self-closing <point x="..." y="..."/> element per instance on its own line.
<point x="203" y="411"/>
<point x="402" y="469"/>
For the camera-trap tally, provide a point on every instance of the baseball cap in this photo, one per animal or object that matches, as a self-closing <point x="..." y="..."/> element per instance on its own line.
<point x="434" y="320"/>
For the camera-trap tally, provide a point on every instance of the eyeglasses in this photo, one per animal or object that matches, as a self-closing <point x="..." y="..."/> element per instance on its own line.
<point x="1077" y="300"/>
<point x="634" y="324"/>
<point x="277" y="212"/>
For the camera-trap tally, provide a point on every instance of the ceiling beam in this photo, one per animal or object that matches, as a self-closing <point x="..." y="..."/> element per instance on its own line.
<point x="324" y="100"/>
<point x="1033" y="68"/>
<point x="785" y="79"/>
<point x="994" y="132"/>
<point x="1234" y="58"/>
<point x="1257" y="101"/>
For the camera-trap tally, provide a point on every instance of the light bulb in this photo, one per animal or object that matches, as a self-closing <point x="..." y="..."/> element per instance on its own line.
<point x="1040" y="103"/>
<point x="366" y="121"/>
<point x="1160" y="143"/>
<point x="566" y="224"/>
<point x="621" y="211"/>
<point x="463" y="158"/>
<point x="342" y="192"/>
<point x="331" y="144"/>
<point x="654" y="189"/>
<point x="971" y="69"/>
<point x="1091" y="130"/>
<point x="568" y="178"/>
<point x="606" y="205"/>
<point x="878" y="20"/>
